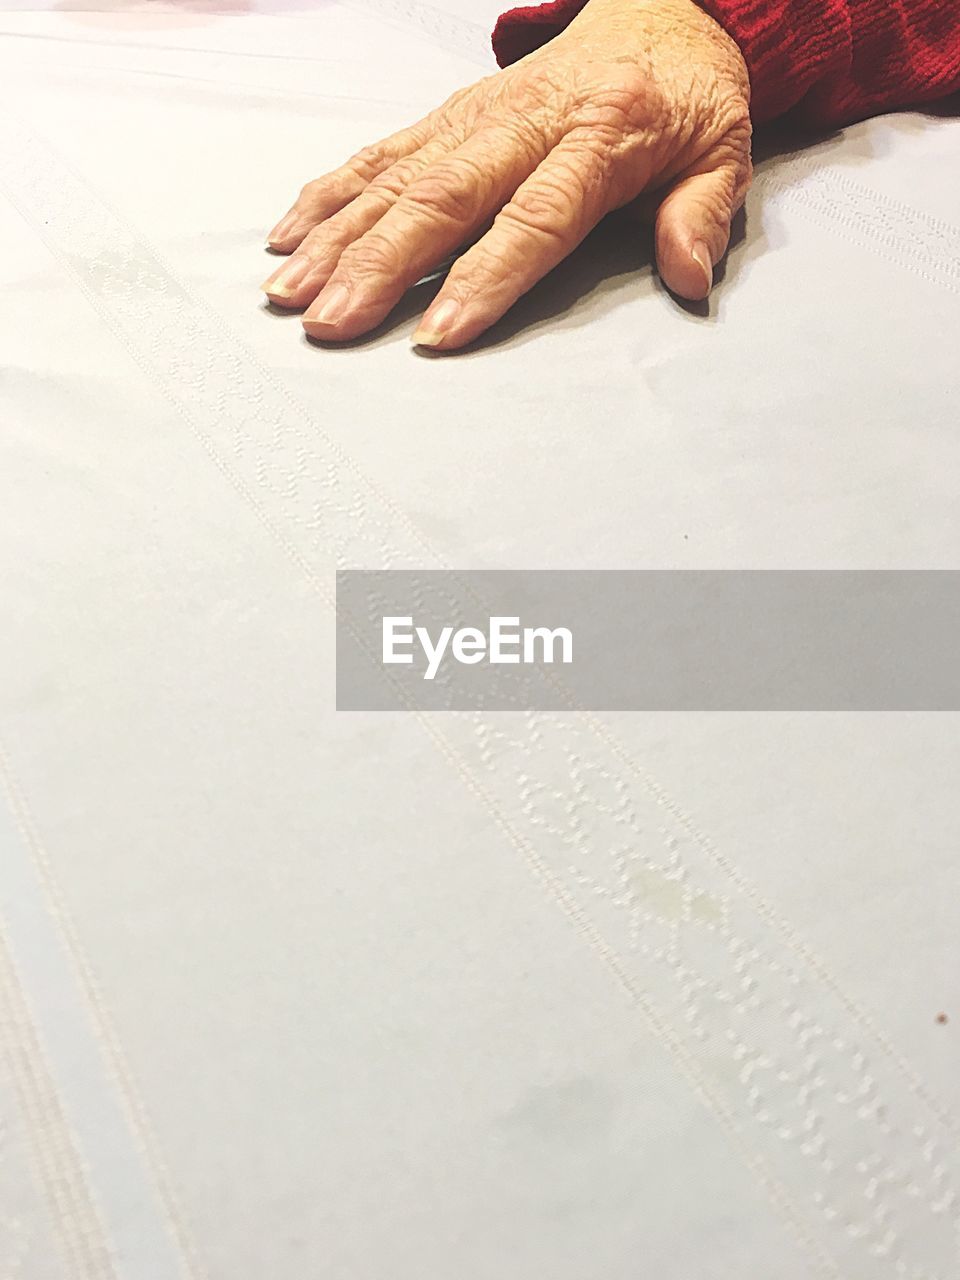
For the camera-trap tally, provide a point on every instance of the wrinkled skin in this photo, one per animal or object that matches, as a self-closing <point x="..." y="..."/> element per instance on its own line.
<point x="636" y="98"/>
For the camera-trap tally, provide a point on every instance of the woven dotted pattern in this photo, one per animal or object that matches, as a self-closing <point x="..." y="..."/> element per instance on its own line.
<point x="921" y="244"/>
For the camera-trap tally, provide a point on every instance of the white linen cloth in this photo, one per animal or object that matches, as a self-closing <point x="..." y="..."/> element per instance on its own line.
<point x="291" y="993"/>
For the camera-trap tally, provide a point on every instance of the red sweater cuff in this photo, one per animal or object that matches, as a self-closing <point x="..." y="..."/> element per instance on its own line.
<point x="826" y="62"/>
<point x="520" y="31"/>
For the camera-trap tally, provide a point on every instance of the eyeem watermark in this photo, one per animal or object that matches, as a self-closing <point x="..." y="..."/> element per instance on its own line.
<point x="503" y="642"/>
<point x="661" y="640"/>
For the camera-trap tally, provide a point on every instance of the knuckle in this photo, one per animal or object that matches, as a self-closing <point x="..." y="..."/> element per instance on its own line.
<point x="542" y="83"/>
<point x="477" y="273"/>
<point x="736" y="149"/>
<point x="536" y="217"/>
<point x="555" y="203"/>
<point x="461" y="106"/>
<point x="713" y="205"/>
<point x="327" y="240"/>
<point x="392" y="183"/>
<point x="626" y="97"/>
<point x="531" y="135"/>
<point x="736" y="124"/>
<point x="369" y="161"/>
<point x="315" y="241"/>
<point x="743" y="125"/>
<point x="448" y="192"/>
<point x="454" y="102"/>
<point x="374" y="254"/>
<point x="312" y="191"/>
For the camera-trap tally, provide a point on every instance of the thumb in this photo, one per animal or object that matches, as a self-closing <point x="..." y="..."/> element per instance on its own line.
<point x="693" y="226"/>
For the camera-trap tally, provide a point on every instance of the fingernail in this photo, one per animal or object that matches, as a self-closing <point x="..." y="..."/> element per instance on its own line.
<point x="282" y="229"/>
<point x="283" y="282"/>
<point x="435" y="324"/>
<point x="701" y="256"/>
<point x="331" y="305"/>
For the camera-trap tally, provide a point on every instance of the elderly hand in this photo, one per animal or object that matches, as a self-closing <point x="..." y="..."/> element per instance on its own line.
<point x="635" y="96"/>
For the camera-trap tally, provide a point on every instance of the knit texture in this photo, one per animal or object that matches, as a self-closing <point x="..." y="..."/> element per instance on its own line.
<point x="822" y="62"/>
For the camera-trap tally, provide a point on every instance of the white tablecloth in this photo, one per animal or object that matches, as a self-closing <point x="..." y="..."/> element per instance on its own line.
<point x="286" y="993"/>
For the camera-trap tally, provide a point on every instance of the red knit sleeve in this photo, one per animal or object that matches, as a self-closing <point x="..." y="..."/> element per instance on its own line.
<point x="826" y="62"/>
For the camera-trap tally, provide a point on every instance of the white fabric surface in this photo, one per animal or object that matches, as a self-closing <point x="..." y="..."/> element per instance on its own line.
<point x="286" y="993"/>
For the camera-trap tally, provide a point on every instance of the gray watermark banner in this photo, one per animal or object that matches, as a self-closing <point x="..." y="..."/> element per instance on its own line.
<point x="658" y="640"/>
